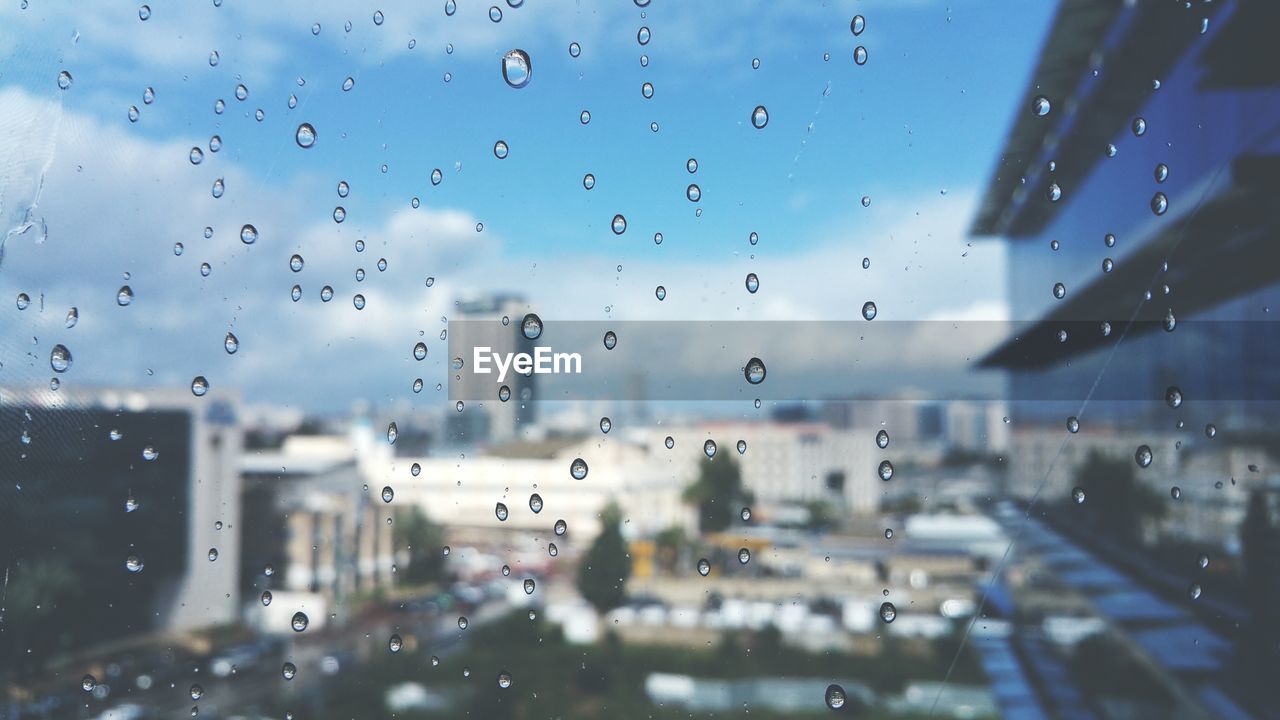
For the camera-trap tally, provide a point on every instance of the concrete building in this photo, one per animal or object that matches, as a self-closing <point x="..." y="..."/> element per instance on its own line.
<point x="143" y="489"/>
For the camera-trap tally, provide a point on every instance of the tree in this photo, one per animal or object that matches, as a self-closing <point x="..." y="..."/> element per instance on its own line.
<point x="718" y="493"/>
<point x="423" y="539"/>
<point x="669" y="545"/>
<point x="603" y="574"/>
<point x="1119" y="505"/>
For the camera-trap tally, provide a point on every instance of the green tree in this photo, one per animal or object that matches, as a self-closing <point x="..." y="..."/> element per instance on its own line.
<point x="1118" y="504"/>
<point x="602" y="576"/>
<point x="718" y="493"/>
<point x="423" y="539"/>
<point x="669" y="544"/>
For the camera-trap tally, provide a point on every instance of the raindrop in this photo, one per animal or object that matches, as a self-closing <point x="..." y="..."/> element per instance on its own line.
<point x="248" y="234"/>
<point x="133" y="113"/>
<point x="1175" y="492"/>
<point x="1143" y="456"/>
<point x="552" y="550"/>
<point x="504" y="677"/>
<point x="704" y="567"/>
<point x="574" y="49"/>
<point x="560" y="527"/>
<point x="219" y="187"/>
<point x="1059" y="290"/>
<point x="835" y="697"/>
<point x="1161" y="172"/>
<point x="213" y="554"/>
<point x="305" y="135"/>
<point x="535" y="503"/>
<point x="585" y="117"/>
<point x="517" y="69"/>
<point x="866" y="201"/>
<point x="885" y="470"/>
<point x="745" y="514"/>
<point x="857" y="24"/>
<point x="1077" y="495"/>
<point x="88" y="683"/>
<point x="882" y="439"/>
<point x="504" y="393"/>
<point x="1202" y="561"/>
<point x="450" y="7"/>
<point x="296" y="293"/>
<point x="531" y="326"/>
<point x="133" y="564"/>
<point x="660" y="292"/>
<point x="462" y="622"/>
<point x="394" y="643"/>
<point x="1041" y="106"/>
<point x="339" y="214"/>
<point x="500" y="150"/>
<point x="1108" y="265"/>
<point x="1210" y="430"/>
<point x="436" y="176"/>
<point x="869" y="310"/>
<point x="753" y="238"/>
<point x="759" y="117"/>
<point x="266" y="597"/>
<point x="1170" y="322"/>
<point x="754" y="371"/>
<point x="643" y="35"/>
<point x="744" y="556"/>
<point x="1193" y="591"/>
<point x="670" y="442"/>
<point x="388" y="494"/>
<point x="288" y="671"/>
<point x="578" y="469"/>
<point x="753" y="283"/>
<point x="1139" y="126"/>
<point x="495" y="13"/>
<point x="60" y="358"/>
<point x="300" y="621"/>
<point x="588" y="181"/>
<point x="24" y="301"/>
<point x="709" y="447"/>
<point x="358" y="301"/>
<point x="860" y="55"/>
<point x="349" y="83"/>
<point x="1173" y="396"/>
<point x="420" y="351"/>
<point x="144" y="13"/>
<point x="213" y="59"/>
<point x="742" y="447"/>
<point x="1054" y="192"/>
<point x="610" y="340"/>
<point x="73" y="317"/>
<point x="888" y="612"/>
<point x="64" y="80"/>
<point x="1073" y="424"/>
<point x="528" y="586"/>
<point x="196" y="156"/>
<point x="196" y="692"/>
<point x="500" y="511"/>
<point x="242" y="92"/>
<point x="647" y="90"/>
<point x="377" y="17"/>
<point x="149" y="453"/>
<point x="619" y="224"/>
<point x="199" y="386"/>
<point x="1159" y="203"/>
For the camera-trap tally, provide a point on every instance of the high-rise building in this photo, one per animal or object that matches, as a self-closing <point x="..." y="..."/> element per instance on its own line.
<point x="133" y="494"/>
<point x="493" y="321"/>
<point x="1140" y="174"/>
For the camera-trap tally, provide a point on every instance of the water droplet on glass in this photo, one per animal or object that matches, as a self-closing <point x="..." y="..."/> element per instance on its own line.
<point x="500" y="150"/>
<point x="1059" y="290"/>
<point x="754" y="371"/>
<point x="199" y="386"/>
<point x="857" y="25"/>
<point x="860" y="55"/>
<point x="693" y="192"/>
<point x="60" y="358"/>
<point x="1159" y="203"/>
<point x="462" y="622"/>
<point x="643" y="35"/>
<point x="709" y="447"/>
<point x="420" y="351"/>
<point x="578" y="469"/>
<point x="305" y="135"/>
<point x="64" y="80"/>
<point x="885" y="470"/>
<point x="753" y="283"/>
<point x="619" y="225"/>
<point x="517" y="68"/>
<point x="495" y="13"/>
<point x="149" y="453"/>
<point x="296" y="293"/>
<point x="1210" y="430"/>
<point x="744" y="555"/>
<point x="531" y="326"/>
<point x="745" y="514"/>
<point x="1139" y="126"/>
<point x="213" y="554"/>
<point x="835" y="697"/>
<point x="248" y="234"/>
<point x="504" y="677"/>
<point x="1173" y="396"/>
<point x="588" y="181"/>
<point x="610" y="340"/>
<point x="869" y="310"/>
<point x="1073" y="424"/>
<point x="288" y="671"/>
<point x="585" y="117"/>
<point x="266" y="597"/>
<point x="133" y="564"/>
<point x="1161" y="172"/>
<point x="1054" y="192"/>
<point x="560" y="527"/>
<point x="888" y="612"/>
<point x="528" y="586"/>
<point x="670" y="442"/>
<point x="882" y="439"/>
<point x="500" y="511"/>
<point x="1077" y="495"/>
<point x="300" y="621"/>
<point x="242" y="92"/>
<point x="1143" y="456"/>
<point x="704" y="567"/>
<point x="133" y="113"/>
<point x="759" y="117"/>
<point x="196" y="156"/>
<point x="1041" y="106"/>
<point x="1194" y="591"/>
<point x="660" y="292"/>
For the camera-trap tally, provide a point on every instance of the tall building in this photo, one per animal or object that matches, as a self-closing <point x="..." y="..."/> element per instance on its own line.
<point x="1143" y="159"/>
<point x="480" y="322"/>
<point x="133" y="494"/>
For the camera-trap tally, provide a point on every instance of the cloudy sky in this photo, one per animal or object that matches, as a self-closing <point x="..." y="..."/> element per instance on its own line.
<point x="88" y="196"/>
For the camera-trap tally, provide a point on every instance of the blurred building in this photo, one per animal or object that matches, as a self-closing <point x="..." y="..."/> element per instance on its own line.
<point x="133" y="494"/>
<point x="1153" y="169"/>
<point x="311" y="516"/>
<point x="494" y="321"/>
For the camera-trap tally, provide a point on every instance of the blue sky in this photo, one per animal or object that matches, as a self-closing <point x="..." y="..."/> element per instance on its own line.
<point x="926" y="114"/>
